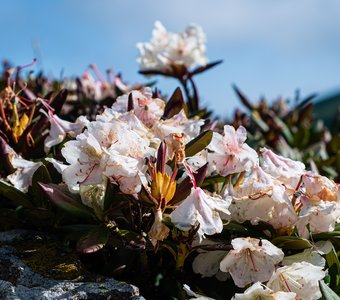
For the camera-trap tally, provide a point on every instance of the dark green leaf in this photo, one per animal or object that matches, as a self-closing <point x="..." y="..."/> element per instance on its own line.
<point x="17" y="197"/>
<point x="333" y="268"/>
<point x="326" y="235"/>
<point x="291" y="242"/>
<point x="94" y="240"/>
<point x="198" y="143"/>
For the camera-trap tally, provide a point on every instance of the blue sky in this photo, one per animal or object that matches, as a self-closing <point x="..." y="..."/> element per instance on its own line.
<point x="269" y="47"/>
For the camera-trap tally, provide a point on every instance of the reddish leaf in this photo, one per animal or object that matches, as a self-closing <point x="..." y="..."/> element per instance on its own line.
<point x="60" y="198"/>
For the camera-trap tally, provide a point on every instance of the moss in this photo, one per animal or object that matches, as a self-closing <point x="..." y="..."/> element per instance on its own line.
<point x="48" y="259"/>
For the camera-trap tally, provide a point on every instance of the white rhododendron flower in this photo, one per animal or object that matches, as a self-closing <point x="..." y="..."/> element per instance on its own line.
<point x="301" y="278"/>
<point x="319" y="217"/>
<point x="178" y="124"/>
<point x="22" y="177"/>
<point x="207" y="262"/>
<point x="106" y="148"/>
<point x="147" y="109"/>
<point x="261" y="198"/>
<point x="87" y="160"/>
<point x="93" y="195"/>
<point x="259" y="291"/>
<point x="251" y="260"/>
<point x="167" y="49"/>
<point x="319" y="188"/>
<point x="202" y="208"/>
<point x="59" y="129"/>
<point x="92" y="88"/>
<point x="229" y="152"/>
<point x="283" y="169"/>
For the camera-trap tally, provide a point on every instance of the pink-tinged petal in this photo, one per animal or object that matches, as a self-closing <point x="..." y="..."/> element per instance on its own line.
<point x="229" y="154"/>
<point x="283" y="169"/>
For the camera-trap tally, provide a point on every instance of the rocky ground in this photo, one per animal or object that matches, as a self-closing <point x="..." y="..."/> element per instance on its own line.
<point x="33" y="267"/>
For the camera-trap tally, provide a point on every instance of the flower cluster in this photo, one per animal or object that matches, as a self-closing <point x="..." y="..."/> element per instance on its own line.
<point x="151" y="175"/>
<point x="166" y="50"/>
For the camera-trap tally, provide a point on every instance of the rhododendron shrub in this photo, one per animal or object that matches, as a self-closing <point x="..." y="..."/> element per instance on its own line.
<point x="161" y="195"/>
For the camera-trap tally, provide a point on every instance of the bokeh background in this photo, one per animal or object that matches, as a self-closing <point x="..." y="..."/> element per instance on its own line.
<point x="270" y="48"/>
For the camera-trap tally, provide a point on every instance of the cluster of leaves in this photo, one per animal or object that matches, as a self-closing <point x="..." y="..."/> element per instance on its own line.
<point x="307" y="131"/>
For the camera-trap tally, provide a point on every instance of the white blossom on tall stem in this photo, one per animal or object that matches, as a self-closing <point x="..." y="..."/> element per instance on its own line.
<point x="168" y="49"/>
<point x="301" y="278"/>
<point x="229" y="153"/>
<point x="251" y="260"/>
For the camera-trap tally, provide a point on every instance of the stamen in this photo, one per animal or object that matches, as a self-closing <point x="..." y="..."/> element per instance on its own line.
<point x="19" y="68"/>
<point x="285" y="282"/>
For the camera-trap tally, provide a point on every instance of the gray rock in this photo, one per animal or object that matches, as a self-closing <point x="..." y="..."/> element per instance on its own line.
<point x="18" y="281"/>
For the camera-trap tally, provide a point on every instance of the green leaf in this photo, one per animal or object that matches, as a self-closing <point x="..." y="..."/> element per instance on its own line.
<point x="327" y="292"/>
<point x="94" y="240"/>
<point x="17" y="197"/>
<point x="199" y="143"/>
<point x="326" y="235"/>
<point x="64" y="201"/>
<point x="333" y="268"/>
<point x="291" y="242"/>
<point x="213" y="180"/>
<point x="256" y="117"/>
<point x="285" y="130"/>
